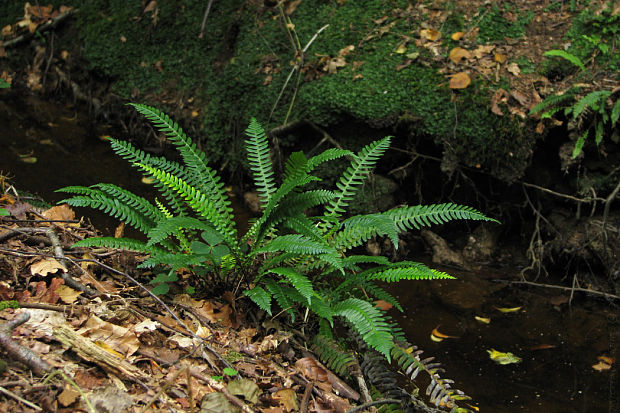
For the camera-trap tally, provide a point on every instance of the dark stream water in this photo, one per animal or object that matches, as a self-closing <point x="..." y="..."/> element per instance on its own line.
<point x="558" y="343"/>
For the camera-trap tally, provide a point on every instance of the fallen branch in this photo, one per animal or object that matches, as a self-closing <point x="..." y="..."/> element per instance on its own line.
<point x="44" y="27"/>
<point x="60" y="256"/>
<point x="561" y="287"/>
<point x="20" y="399"/>
<point x="18" y="352"/>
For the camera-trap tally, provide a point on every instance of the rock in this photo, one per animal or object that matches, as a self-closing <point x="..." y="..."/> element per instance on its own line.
<point x="442" y="253"/>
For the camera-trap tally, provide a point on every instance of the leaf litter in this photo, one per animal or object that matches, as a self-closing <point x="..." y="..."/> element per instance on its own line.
<point x="119" y="350"/>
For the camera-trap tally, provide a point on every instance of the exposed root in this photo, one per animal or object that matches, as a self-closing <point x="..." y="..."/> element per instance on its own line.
<point x="17" y="352"/>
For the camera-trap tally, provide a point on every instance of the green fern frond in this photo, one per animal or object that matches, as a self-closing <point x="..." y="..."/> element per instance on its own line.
<point x="615" y="113"/>
<point x="257" y="147"/>
<point x="554" y="100"/>
<point x="352" y="178"/>
<point x="297" y="280"/>
<point x="295" y="243"/>
<point x="320" y="307"/>
<point x="303" y="225"/>
<point x="426" y="215"/>
<point x="352" y="260"/>
<point x="283" y="295"/>
<point x="296" y="203"/>
<point x="325" y="156"/>
<point x="128" y="244"/>
<point x="568" y="56"/>
<point x="172" y="226"/>
<point x="203" y="178"/>
<point x="328" y="351"/>
<point x="199" y="202"/>
<point x="405" y="270"/>
<point x="130" y="199"/>
<point x="260" y="297"/>
<point x="172" y="260"/>
<point x="360" y="228"/>
<point x="368" y="321"/>
<point x="380" y="294"/>
<point x="134" y="155"/>
<point x="94" y="198"/>
<point x="591" y="100"/>
<point x="295" y="165"/>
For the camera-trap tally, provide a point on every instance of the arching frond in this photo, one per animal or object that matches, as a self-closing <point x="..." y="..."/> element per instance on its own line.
<point x="173" y="225"/>
<point x="257" y="147"/>
<point x="426" y="215"/>
<point x="203" y="178"/>
<point x="335" y="358"/>
<point x="325" y="156"/>
<point x="404" y="270"/>
<point x="260" y="297"/>
<point x="95" y="198"/>
<point x="128" y="244"/>
<point x="368" y="321"/>
<point x="199" y="202"/>
<point x="297" y="280"/>
<point x="352" y="178"/>
<point x="360" y="228"/>
<point x="295" y="243"/>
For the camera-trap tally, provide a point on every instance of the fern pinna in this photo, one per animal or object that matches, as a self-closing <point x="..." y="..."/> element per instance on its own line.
<point x="300" y="261"/>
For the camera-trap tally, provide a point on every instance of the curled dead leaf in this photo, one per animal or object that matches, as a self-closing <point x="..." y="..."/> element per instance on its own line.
<point x="459" y="80"/>
<point x="430" y="34"/>
<point x="457" y="36"/>
<point x="499" y="57"/>
<point x="458" y="53"/>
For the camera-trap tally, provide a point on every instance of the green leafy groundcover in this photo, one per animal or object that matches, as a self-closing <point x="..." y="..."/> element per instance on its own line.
<point x="227" y="65"/>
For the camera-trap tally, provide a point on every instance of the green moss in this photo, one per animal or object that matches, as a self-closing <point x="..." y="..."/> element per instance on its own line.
<point x="494" y="26"/>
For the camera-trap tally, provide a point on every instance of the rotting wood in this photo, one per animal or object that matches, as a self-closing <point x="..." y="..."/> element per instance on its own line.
<point x="46" y="26"/>
<point x="89" y="351"/>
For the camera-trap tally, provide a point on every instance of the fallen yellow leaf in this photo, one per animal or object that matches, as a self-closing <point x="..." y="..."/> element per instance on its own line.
<point x="430" y="34"/>
<point x="503" y="358"/>
<point x="499" y="57"/>
<point x="459" y="81"/>
<point x="483" y="320"/>
<point x="509" y="310"/>
<point x="458" y="53"/>
<point x="457" y="36"/>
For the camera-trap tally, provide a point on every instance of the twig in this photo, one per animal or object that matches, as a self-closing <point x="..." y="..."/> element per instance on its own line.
<point x="204" y="19"/>
<point x="74" y="385"/>
<point x="560" y="287"/>
<point x="305" y="400"/>
<point x="296" y="67"/>
<point x="18" y="352"/>
<point x="163" y="388"/>
<point x="373" y="403"/>
<point x="585" y="200"/>
<point x="222" y="389"/>
<point x="608" y="202"/>
<point x="49" y="25"/>
<point x="20" y="399"/>
<point x="60" y="256"/>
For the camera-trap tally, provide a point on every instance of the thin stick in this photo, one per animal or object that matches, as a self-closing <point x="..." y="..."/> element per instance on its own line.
<point x="20" y="399"/>
<point x="49" y="25"/>
<point x="549" y="191"/>
<point x="204" y="19"/>
<point x="560" y="287"/>
<point x="373" y="403"/>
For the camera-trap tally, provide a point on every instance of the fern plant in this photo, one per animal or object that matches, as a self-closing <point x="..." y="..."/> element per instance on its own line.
<point x="299" y="261"/>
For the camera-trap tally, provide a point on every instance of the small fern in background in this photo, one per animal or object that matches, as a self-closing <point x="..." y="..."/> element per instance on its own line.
<point x="298" y="261"/>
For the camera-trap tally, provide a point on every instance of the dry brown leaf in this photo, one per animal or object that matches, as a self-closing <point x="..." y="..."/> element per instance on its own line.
<point x="514" y="69"/>
<point x="310" y="369"/>
<point x="383" y="305"/>
<point x="458" y="53"/>
<point x="60" y="212"/>
<point x="46" y="266"/>
<point x="430" y="34"/>
<point x="499" y="57"/>
<point x="119" y="338"/>
<point x="601" y="366"/>
<point x="346" y="50"/>
<point x="482" y="51"/>
<point x="459" y="81"/>
<point x="150" y="7"/>
<point x="457" y="36"/>
<point x="7" y="31"/>
<point x="290" y="9"/>
<point x="67" y="294"/>
<point x="288" y="399"/>
<point x="520" y="97"/>
<point x="68" y="396"/>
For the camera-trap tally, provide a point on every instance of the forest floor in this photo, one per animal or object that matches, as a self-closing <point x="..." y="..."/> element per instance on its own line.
<point x="82" y="312"/>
